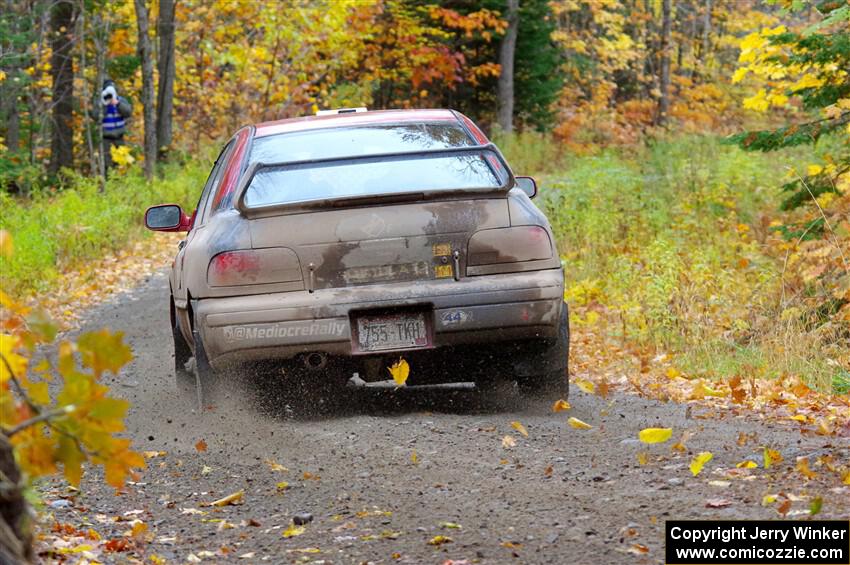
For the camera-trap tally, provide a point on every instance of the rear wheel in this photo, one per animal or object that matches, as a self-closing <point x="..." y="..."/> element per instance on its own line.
<point x="553" y="380"/>
<point x="183" y="362"/>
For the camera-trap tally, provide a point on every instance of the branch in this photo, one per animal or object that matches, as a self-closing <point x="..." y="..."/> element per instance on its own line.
<point x="42" y="417"/>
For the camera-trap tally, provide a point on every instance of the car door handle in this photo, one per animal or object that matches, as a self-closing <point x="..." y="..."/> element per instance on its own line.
<point x="181" y="245"/>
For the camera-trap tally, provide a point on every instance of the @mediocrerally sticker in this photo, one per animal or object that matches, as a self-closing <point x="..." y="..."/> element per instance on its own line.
<point x="283" y="330"/>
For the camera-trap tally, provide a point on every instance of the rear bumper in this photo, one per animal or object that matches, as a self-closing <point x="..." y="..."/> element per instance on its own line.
<point x="474" y="310"/>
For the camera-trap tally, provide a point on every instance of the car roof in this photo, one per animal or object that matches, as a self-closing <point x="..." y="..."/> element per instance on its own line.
<point x="353" y="119"/>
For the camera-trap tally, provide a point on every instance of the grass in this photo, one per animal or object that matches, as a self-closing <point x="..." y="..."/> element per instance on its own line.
<point x="62" y="229"/>
<point x="669" y="247"/>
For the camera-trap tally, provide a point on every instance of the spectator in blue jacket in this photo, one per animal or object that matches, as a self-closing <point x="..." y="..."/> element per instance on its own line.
<point x="116" y="110"/>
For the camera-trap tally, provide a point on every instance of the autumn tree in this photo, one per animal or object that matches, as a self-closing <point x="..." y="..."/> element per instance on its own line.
<point x="145" y="50"/>
<point x="41" y="431"/>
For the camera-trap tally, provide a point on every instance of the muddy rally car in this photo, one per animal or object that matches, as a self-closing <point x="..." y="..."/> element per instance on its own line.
<point x="331" y="246"/>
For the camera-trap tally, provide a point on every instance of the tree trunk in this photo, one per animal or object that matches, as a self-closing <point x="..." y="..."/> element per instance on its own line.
<point x="664" y="83"/>
<point x="165" y="66"/>
<point x="146" y="57"/>
<point x="100" y="37"/>
<point x="507" y="50"/>
<point x="706" y="34"/>
<point x="15" y="522"/>
<point x="62" y="70"/>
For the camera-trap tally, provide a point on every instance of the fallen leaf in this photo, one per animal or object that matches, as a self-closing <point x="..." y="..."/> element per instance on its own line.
<point x="768" y="499"/>
<point x="508" y="442"/>
<point x="771" y="456"/>
<point x="440" y="540"/>
<point x="845" y="477"/>
<point x="282" y="486"/>
<point x="815" y="506"/>
<point x="802" y="467"/>
<point x="414" y="458"/>
<point x="747" y="464"/>
<point x="399" y="371"/>
<point x="249" y="555"/>
<point x="547" y="472"/>
<point x="206" y="470"/>
<point x="784" y="507"/>
<point x="638" y="549"/>
<point x="561" y="405"/>
<point x="673" y="373"/>
<point x="451" y="525"/>
<point x="739" y="394"/>
<point x="275" y="466"/>
<point x="235" y="498"/>
<point x="799" y="418"/>
<point x="585" y="386"/>
<point x="699" y="462"/>
<point x="310" y="476"/>
<point x="578" y="424"/>
<point x="138" y="529"/>
<point x="511" y="544"/>
<point x="201" y="446"/>
<point x="655" y="435"/>
<point x="602" y="389"/>
<point x="643" y="458"/>
<point x="292" y="530"/>
<point x="520" y="428"/>
<point x="717" y="503"/>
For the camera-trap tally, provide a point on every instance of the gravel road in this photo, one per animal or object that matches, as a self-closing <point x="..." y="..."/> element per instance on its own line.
<point x="386" y="473"/>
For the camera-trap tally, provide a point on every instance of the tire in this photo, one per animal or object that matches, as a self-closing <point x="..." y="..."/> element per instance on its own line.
<point x="183" y="373"/>
<point x="206" y="378"/>
<point x="553" y="381"/>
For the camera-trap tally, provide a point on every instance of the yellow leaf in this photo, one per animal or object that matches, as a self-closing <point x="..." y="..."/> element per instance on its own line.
<point x="673" y="373"/>
<point x="275" y="466"/>
<point x="803" y="468"/>
<point x="578" y="424"/>
<point x="293" y="530"/>
<point x="138" y="529"/>
<point x="414" y="458"/>
<point x="655" y="435"/>
<point x="561" y="405"/>
<point x="643" y="458"/>
<point x="747" y="464"/>
<point x="768" y="499"/>
<point x="845" y="477"/>
<point x="520" y="428"/>
<point x="585" y="386"/>
<point x="235" y="498"/>
<point x="799" y="418"/>
<point x="814" y="170"/>
<point x="282" y="486"/>
<point x="508" y="442"/>
<point x="7" y="248"/>
<point x="451" y="525"/>
<point x="440" y="540"/>
<point x="771" y="456"/>
<point x="399" y="371"/>
<point x="699" y="462"/>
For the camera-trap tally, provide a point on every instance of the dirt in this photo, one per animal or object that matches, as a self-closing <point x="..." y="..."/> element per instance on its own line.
<point x="384" y="473"/>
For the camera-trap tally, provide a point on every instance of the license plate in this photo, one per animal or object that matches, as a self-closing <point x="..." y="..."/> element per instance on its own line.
<point x="392" y="331"/>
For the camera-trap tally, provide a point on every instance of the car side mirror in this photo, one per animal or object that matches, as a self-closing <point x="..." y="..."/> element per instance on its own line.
<point x="167" y="217"/>
<point x="528" y="185"/>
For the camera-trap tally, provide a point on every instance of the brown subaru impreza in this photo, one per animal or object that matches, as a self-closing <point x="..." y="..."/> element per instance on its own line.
<point x="338" y="243"/>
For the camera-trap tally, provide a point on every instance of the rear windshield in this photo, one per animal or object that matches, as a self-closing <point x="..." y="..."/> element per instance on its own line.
<point x="351" y="178"/>
<point x="355" y="141"/>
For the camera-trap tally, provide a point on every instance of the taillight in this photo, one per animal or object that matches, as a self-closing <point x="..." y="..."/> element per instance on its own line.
<point x="254" y="266"/>
<point x="507" y="250"/>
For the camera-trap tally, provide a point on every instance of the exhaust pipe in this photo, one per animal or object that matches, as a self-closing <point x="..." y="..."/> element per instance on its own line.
<point x="315" y="361"/>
